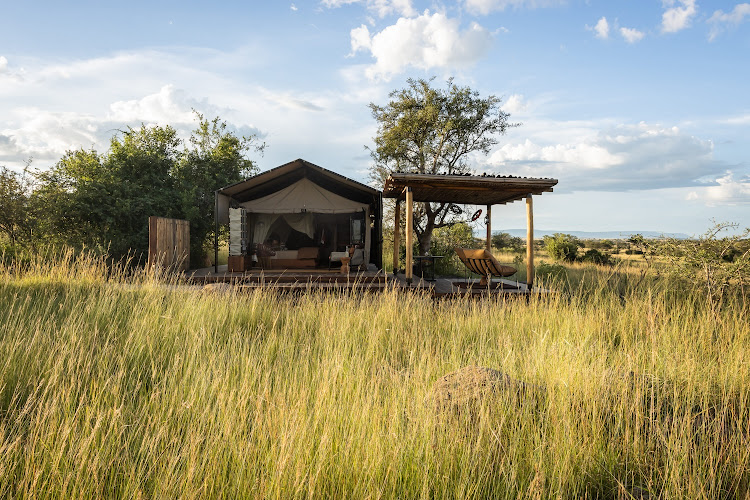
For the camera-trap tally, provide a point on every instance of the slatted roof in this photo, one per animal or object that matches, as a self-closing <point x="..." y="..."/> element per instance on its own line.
<point x="466" y="189"/>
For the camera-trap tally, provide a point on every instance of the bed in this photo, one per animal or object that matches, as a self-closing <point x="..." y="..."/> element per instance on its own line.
<point x="304" y="258"/>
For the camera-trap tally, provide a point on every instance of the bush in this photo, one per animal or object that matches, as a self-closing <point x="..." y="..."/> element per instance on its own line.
<point x="444" y="240"/>
<point x="505" y="240"/>
<point x="550" y="271"/>
<point x="562" y="247"/>
<point x="719" y="265"/>
<point x="594" y="256"/>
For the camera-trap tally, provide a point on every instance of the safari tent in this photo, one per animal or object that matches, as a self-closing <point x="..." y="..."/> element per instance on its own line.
<point x="308" y="211"/>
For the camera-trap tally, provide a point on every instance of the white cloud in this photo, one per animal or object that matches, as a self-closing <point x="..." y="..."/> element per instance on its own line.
<point x="293" y="7"/>
<point x="631" y="35"/>
<point x="485" y="7"/>
<point x="3" y="64"/>
<point x="678" y="16"/>
<point x="726" y="191"/>
<point x="720" y="21"/>
<point x="360" y="39"/>
<point x="292" y="101"/>
<point x="613" y="158"/>
<point x="601" y="28"/>
<point x="424" y="42"/>
<point x="332" y="4"/>
<point x="58" y="105"/>
<point x="730" y="190"/>
<point x="514" y="104"/>
<point x="586" y="154"/>
<point x="45" y="135"/>
<point x="169" y="105"/>
<point x="381" y="7"/>
<point x="737" y="120"/>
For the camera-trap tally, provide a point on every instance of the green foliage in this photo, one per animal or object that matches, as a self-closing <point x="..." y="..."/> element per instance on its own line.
<point x="104" y="201"/>
<point x="431" y="130"/>
<point x="562" y="247"/>
<point x="599" y="244"/>
<point x="214" y="158"/>
<point x="550" y="271"/>
<point x="17" y="209"/>
<point x="444" y="240"/>
<point x="502" y="241"/>
<point x="594" y="256"/>
<point x="716" y="263"/>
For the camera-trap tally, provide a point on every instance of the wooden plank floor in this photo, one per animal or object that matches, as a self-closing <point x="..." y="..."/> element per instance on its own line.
<point x="301" y="280"/>
<point x="442" y="287"/>
<point x="288" y="277"/>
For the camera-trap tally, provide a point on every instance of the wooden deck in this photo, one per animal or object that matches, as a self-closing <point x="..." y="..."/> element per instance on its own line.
<point x="459" y="287"/>
<point x="301" y="280"/>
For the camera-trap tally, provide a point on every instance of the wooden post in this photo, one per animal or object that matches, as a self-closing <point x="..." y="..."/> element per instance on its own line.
<point x="396" y="236"/>
<point x="489" y="228"/>
<point x="409" y="230"/>
<point x="529" y="242"/>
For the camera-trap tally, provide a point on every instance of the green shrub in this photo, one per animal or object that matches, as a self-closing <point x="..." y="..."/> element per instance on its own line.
<point x="444" y="240"/>
<point x="505" y="240"/>
<point x="716" y="263"/>
<point x="550" y="271"/>
<point x="594" y="256"/>
<point x="562" y="247"/>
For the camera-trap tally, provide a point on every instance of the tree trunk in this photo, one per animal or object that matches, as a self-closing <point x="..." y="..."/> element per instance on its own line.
<point x="424" y="243"/>
<point x="425" y="239"/>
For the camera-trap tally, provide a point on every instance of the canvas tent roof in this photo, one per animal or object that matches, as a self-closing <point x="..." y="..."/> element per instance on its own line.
<point x="303" y="196"/>
<point x="278" y="179"/>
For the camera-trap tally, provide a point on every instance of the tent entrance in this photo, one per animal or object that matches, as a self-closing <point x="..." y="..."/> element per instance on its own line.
<point x="327" y="232"/>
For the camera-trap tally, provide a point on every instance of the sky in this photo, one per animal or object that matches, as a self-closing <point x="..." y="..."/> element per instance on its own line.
<point x="639" y="108"/>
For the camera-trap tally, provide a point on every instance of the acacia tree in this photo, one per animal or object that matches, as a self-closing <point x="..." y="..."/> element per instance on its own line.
<point x="430" y="130"/>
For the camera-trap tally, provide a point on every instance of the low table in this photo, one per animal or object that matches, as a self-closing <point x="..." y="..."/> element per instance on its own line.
<point x="427" y="262"/>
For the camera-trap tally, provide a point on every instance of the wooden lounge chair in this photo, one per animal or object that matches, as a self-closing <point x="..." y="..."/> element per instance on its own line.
<point x="482" y="262"/>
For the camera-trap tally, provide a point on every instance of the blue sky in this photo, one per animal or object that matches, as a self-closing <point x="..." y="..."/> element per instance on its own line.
<point x="640" y="109"/>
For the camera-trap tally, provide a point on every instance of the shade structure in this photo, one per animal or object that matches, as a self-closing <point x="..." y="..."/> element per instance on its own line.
<point x="466" y="189"/>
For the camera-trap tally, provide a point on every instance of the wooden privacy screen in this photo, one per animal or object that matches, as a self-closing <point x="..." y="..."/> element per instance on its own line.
<point x="169" y="243"/>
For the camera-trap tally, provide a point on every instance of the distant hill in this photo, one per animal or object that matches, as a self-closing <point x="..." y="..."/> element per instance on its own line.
<point x="592" y="235"/>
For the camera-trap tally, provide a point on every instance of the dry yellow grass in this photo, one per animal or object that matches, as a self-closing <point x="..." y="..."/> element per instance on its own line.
<point x="113" y="385"/>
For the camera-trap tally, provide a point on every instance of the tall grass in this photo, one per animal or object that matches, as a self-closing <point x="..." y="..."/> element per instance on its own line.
<point x="121" y="385"/>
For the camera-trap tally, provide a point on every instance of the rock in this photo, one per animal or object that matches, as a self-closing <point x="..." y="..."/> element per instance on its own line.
<point x="465" y="389"/>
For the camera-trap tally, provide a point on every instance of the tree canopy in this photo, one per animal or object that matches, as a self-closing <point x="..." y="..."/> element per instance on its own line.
<point x="104" y="200"/>
<point x="16" y="207"/>
<point x="424" y="129"/>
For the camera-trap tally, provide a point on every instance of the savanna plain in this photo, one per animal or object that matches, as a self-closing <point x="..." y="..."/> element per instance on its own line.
<point x="122" y="384"/>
